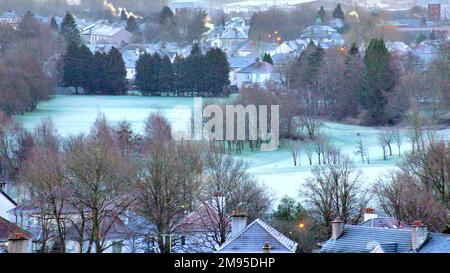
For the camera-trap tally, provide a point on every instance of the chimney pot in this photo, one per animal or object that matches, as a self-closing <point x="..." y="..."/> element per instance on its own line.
<point x="419" y="235"/>
<point x="369" y="213"/>
<point x="266" y="248"/>
<point x="337" y="228"/>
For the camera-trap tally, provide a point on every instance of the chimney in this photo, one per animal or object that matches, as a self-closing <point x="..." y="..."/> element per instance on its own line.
<point x="238" y="222"/>
<point x="337" y="228"/>
<point x="266" y="248"/>
<point x="419" y="234"/>
<point x="219" y="201"/>
<point x="18" y="243"/>
<point x="369" y="213"/>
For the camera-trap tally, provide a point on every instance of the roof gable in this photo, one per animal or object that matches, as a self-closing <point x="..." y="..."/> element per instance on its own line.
<point x="253" y="238"/>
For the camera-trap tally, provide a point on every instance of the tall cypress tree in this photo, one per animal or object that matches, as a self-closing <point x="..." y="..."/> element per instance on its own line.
<point x="54" y="25"/>
<point x="217" y="72"/>
<point x="69" y="30"/>
<point x="195" y="71"/>
<point x="143" y="67"/>
<point x="71" y="67"/>
<point x="338" y="13"/>
<point x="29" y="27"/>
<point x="267" y="58"/>
<point x="86" y="69"/>
<point x="99" y="71"/>
<point x="116" y="73"/>
<point x="379" y="79"/>
<point x="322" y="14"/>
<point x="167" y="76"/>
<point x="132" y="25"/>
<point x="180" y="71"/>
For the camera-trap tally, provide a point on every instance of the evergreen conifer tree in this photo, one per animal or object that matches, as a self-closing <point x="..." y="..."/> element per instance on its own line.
<point x="69" y="30"/>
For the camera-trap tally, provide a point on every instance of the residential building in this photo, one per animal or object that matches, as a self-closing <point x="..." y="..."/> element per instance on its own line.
<point x="257" y="237"/>
<point x="106" y="34"/>
<point x="384" y="235"/>
<point x="6" y="204"/>
<point x="183" y="7"/>
<point x="325" y="36"/>
<point x="238" y="63"/>
<point x="13" y="239"/>
<point x="257" y="73"/>
<point x="10" y="17"/>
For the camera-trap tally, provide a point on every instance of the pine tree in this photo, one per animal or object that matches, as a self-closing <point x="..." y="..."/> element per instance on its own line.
<point x="54" y="25"/>
<point x="180" y="70"/>
<point x="71" y="67"/>
<point x="217" y="72"/>
<point x="143" y="67"/>
<point x="99" y="70"/>
<point x="353" y="49"/>
<point x="29" y="27"/>
<point x="338" y="13"/>
<point x="123" y="15"/>
<point x="379" y="80"/>
<point x="322" y="14"/>
<point x="267" y="58"/>
<point x="195" y="70"/>
<point x="167" y="76"/>
<point x="86" y="69"/>
<point x="116" y="73"/>
<point x="132" y="25"/>
<point x="166" y="16"/>
<point x="69" y="30"/>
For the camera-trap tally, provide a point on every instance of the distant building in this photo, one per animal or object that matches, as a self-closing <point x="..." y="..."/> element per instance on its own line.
<point x="106" y="34"/>
<point x="238" y="63"/>
<point x="6" y="204"/>
<point x="182" y="7"/>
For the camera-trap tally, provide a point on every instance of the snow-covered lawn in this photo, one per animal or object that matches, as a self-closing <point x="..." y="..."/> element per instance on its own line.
<point x="75" y="114"/>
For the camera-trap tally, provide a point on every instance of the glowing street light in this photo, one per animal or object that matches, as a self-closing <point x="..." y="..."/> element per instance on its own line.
<point x="301" y="225"/>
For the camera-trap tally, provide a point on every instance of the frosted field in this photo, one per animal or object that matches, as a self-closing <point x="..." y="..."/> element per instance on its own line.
<point x="75" y="114"/>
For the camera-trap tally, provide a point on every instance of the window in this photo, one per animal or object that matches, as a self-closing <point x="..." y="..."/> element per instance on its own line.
<point x="183" y="240"/>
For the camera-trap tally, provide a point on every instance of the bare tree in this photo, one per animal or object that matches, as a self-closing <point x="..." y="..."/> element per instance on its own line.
<point x="294" y="148"/>
<point x="336" y="190"/>
<point x="309" y="149"/>
<point x="361" y="150"/>
<point x="398" y="140"/>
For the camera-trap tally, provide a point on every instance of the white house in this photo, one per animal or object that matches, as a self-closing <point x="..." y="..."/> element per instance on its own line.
<point x="106" y="34"/>
<point x="6" y="204"/>
<point x="257" y="73"/>
<point x="326" y="36"/>
<point x="10" y="17"/>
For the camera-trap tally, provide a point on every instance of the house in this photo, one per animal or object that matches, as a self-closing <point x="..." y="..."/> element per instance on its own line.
<point x="30" y="215"/>
<point x="230" y="38"/>
<point x="257" y="237"/>
<point x="294" y="46"/>
<point x="106" y="34"/>
<point x="183" y="7"/>
<point x="256" y="73"/>
<point x="238" y="63"/>
<point x="383" y="235"/>
<point x="13" y="239"/>
<point x="324" y="36"/>
<point x="427" y="51"/>
<point x="239" y="23"/>
<point x="10" y="17"/>
<point x="130" y="57"/>
<point x="257" y="48"/>
<point x="197" y="232"/>
<point x="6" y="204"/>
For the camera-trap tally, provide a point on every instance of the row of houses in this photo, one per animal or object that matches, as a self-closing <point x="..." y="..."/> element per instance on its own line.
<point x="194" y="233"/>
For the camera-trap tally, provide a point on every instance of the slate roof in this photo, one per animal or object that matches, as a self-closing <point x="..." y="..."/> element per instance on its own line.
<point x="363" y="239"/>
<point x="240" y="62"/>
<point x="253" y="238"/>
<point x="436" y="243"/>
<point x="103" y="30"/>
<point x="8" y="230"/>
<point x="233" y="34"/>
<point x="258" y="68"/>
<point x="385" y="222"/>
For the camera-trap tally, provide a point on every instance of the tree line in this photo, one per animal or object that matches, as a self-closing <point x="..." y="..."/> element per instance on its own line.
<point x="27" y="65"/>
<point x="198" y="74"/>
